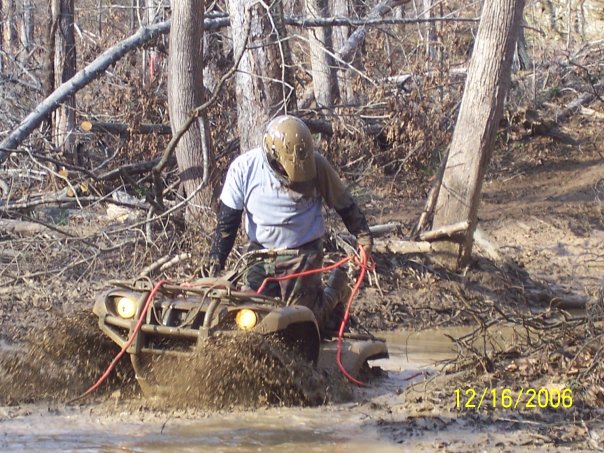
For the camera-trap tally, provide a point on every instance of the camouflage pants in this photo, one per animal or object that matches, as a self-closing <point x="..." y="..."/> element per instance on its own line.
<point x="307" y="290"/>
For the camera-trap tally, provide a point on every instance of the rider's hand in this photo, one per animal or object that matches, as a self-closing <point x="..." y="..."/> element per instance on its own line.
<point x="366" y="241"/>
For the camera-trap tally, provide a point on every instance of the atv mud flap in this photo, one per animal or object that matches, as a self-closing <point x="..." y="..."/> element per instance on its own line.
<point x="356" y="354"/>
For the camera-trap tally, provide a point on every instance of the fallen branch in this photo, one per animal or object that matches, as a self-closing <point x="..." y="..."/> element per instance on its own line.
<point x="78" y="81"/>
<point x="131" y="169"/>
<point x="376" y="231"/>
<point x="566" y="301"/>
<point x="337" y="21"/>
<point x="357" y="37"/>
<point x="446" y="232"/>
<point x="576" y="104"/>
<point x="23" y="228"/>
<point x="62" y="198"/>
<point x="125" y="129"/>
<point x="164" y="263"/>
<point x="386" y="228"/>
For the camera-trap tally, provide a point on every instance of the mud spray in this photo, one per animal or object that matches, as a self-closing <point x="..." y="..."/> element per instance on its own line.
<point x="60" y="361"/>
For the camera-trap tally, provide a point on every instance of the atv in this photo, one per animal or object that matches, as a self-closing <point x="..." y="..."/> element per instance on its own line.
<point x="149" y="321"/>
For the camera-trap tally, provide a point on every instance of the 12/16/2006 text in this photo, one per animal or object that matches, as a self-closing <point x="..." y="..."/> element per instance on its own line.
<point x="506" y="398"/>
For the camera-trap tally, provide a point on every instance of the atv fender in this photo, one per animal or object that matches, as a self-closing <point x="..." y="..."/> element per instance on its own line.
<point x="297" y="326"/>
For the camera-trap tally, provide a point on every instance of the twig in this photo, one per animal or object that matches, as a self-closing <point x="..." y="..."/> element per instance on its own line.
<point x="164" y="263"/>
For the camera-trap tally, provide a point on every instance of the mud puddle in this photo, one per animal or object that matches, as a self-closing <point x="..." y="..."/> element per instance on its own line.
<point x="291" y="429"/>
<point x="111" y="426"/>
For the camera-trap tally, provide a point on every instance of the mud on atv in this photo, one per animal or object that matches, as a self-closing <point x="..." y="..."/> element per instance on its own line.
<point x="177" y="320"/>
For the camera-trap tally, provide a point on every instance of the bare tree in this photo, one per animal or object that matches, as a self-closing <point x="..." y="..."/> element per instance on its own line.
<point x="343" y="8"/>
<point x="481" y="109"/>
<point x="185" y="92"/>
<point x="48" y="66"/>
<point x="9" y="29"/>
<point x="26" y="28"/>
<point x="64" y="69"/>
<point x="321" y="62"/>
<point x="348" y="50"/>
<point x="1" y="37"/>
<point x="428" y="29"/>
<point x="264" y="84"/>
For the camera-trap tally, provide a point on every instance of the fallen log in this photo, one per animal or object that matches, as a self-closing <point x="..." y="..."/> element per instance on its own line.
<point x="24" y="228"/>
<point x="125" y="129"/>
<point x="558" y="300"/>
<point x="376" y="231"/>
<point x="575" y="105"/>
<point x="444" y="233"/>
<point x="402" y="247"/>
<point x="386" y="228"/>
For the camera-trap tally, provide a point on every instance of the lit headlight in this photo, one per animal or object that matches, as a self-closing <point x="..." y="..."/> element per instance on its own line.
<point x="126" y="307"/>
<point x="246" y="319"/>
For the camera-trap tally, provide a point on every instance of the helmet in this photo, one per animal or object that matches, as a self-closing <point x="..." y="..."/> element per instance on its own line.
<point x="289" y="149"/>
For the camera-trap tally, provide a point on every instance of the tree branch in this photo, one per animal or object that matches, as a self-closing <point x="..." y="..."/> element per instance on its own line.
<point x="78" y="81"/>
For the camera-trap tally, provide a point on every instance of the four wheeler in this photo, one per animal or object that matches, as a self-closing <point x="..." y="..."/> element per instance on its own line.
<point x="167" y="319"/>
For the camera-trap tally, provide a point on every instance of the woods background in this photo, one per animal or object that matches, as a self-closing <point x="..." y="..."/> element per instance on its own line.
<point x="152" y="129"/>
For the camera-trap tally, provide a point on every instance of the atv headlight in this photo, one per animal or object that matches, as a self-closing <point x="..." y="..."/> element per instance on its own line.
<point x="246" y="319"/>
<point x="126" y="307"/>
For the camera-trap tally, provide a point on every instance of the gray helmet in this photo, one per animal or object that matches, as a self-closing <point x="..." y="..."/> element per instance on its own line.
<point x="289" y="148"/>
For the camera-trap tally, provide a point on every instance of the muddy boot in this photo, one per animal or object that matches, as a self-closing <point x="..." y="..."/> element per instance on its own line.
<point x="335" y="296"/>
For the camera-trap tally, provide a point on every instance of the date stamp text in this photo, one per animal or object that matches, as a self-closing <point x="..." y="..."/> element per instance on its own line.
<point x="506" y="398"/>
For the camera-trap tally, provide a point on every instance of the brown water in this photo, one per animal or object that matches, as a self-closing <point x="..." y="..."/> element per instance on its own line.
<point x="328" y="428"/>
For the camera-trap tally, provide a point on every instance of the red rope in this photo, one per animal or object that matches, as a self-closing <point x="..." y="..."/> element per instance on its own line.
<point x="363" y="264"/>
<point x="301" y="274"/>
<point x="355" y="290"/>
<point x="133" y="335"/>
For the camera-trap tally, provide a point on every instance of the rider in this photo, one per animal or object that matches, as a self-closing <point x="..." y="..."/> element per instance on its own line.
<point x="281" y="187"/>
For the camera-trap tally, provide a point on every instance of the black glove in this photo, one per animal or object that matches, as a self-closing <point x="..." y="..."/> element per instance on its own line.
<point x="356" y="223"/>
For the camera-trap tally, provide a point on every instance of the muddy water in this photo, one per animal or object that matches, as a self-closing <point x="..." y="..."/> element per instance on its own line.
<point x="333" y="427"/>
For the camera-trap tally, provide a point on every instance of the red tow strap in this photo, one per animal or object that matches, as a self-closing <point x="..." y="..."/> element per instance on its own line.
<point x="363" y="264"/>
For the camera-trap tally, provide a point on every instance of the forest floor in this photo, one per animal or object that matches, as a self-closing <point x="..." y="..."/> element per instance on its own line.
<point x="539" y="256"/>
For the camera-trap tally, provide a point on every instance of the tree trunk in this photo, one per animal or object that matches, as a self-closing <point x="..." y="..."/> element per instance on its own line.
<point x="64" y="69"/>
<point x="185" y="92"/>
<point x="9" y="27"/>
<point x="481" y="109"/>
<point x="26" y="28"/>
<point x="341" y="8"/>
<point x="321" y="63"/>
<point x="428" y="28"/>
<point x="521" y="57"/>
<point x="264" y="84"/>
<point x="1" y="37"/>
<point x="48" y="65"/>
<point x="9" y="30"/>
<point x="214" y="60"/>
